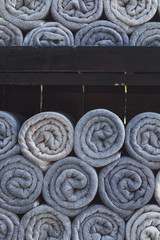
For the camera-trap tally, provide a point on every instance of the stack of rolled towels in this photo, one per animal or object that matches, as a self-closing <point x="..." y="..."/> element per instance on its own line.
<point x="80" y="23"/>
<point x="96" y="179"/>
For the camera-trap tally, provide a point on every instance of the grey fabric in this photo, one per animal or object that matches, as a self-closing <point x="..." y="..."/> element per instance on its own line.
<point x="49" y="34"/>
<point x="20" y="184"/>
<point x="76" y="14"/>
<point x="126" y="185"/>
<point x="25" y="14"/>
<point x="99" y="135"/>
<point x="46" y="137"/>
<point x="9" y="223"/>
<point x="147" y="35"/>
<point x="144" y="224"/>
<point x="130" y="14"/>
<point x="42" y="223"/>
<point x="157" y="188"/>
<point x="142" y="139"/>
<point x="101" y="33"/>
<point x="10" y="35"/>
<point x="70" y="185"/>
<point x="98" y="222"/>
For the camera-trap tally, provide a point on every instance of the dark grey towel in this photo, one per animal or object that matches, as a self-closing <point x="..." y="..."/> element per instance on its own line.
<point x="98" y="222"/>
<point x="99" y="135"/>
<point x="20" y="184"/>
<point x="70" y="185"/>
<point x="126" y="185"/>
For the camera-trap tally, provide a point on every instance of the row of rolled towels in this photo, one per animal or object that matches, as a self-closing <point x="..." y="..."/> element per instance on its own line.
<point x="59" y="181"/>
<point x="80" y="23"/>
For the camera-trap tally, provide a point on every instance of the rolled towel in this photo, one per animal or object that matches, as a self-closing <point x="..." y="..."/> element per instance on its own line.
<point x="130" y="14"/>
<point x="157" y="188"/>
<point x="43" y="222"/>
<point x="75" y="14"/>
<point x="10" y="35"/>
<point x="144" y="224"/>
<point x="26" y="14"/>
<point x="70" y="185"/>
<point x="101" y="33"/>
<point x="9" y="223"/>
<point x="98" y="137"/>
<point x="98" y="222"/>
<point x="142" y="139"/>
<point x="46" y="137"/>
<point x="147" y="35"/>
<point x="126" y="185"/>
<point x="20" y="184"/>
<point x="49" y="34"/>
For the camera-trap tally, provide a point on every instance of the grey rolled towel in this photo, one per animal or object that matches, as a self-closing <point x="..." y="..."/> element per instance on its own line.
<point x="142" y="139"/>
<point x="98" y="222"/>
<point x="20" y="184"/>
<point x="26" y="14"/>
<point x="70" y="185"/>
<point x="148" y="35"/>
<point x="126" y="185"/>
<point x="157" y="188"/>
<point x="101" y="33"/>
<point x="144" y="224"/>
<point x="10" y="35"/>
<point x="9" y="223"/>
<point x="130" y="14"/>
<point x="99" y="135"/>
<point x="49" y="34"/>
<point x="44" y="222"/>
<point x="75" y="14"/>
<point x="46" y="137"/>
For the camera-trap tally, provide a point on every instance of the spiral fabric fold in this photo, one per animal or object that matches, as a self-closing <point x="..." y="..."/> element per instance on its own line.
<point x="126" y="185"/>
<point x="101" y="33"/>
<point x="20" y="184"/>
<point x="98" y="222"/>
<point x="157" y="188"/>
<point x="70" y="185"/>
<point x="43" y="222"/>
<point x="99" y="135"/>
<point x="46" y="137"/>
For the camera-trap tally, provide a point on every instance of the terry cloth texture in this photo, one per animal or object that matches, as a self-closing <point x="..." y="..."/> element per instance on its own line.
<point x="70" y="185"/>
<point x="49" y="34"/>
<point x="43" y="222"/>
<point x="46" y="137"/>
<point x="98" y="222"/>
<point x="101" y="33"/>
<point x="9" y="223"/>
<point x="144" y="224"/>
<point x="157" y="188"/>
<point x="147" y="35"/>
<point x="98" y="137"/>
<point x="75" y="14"/>
<point x="130" y="14"/>
<point x="20" y="184"/>
<point x="126" y="185"/>
<point x="26" y="14"/>
<point x="142" y="139"/>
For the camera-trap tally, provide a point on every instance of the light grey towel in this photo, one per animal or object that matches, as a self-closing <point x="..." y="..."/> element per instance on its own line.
<point x="98" y="222"/>
<point x="157" y="188"/>
<point x="144" y="224"/>
<point x="101" y="33"/>
<point x="10" y="35"/>
<point x="75" y="14"/>
<point x="42" y="223"/>
<point x="126" y="185"/>
<point x="25" y="14"/>
<point x="142" y="139"/>
<point x="99" y="135"/>
<point x="130" y="14"/>
<point x="49" y="34"/>
<point x="46" y="137"/>
<point x="70" y="185"/>
<point x="20" y="184"/>
<point x="148" y="35"/>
